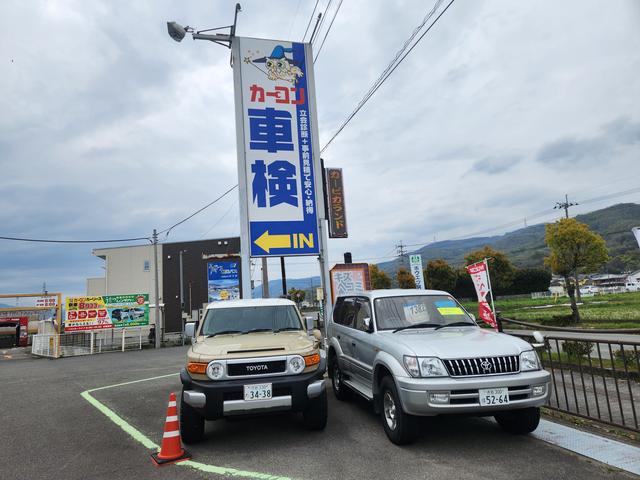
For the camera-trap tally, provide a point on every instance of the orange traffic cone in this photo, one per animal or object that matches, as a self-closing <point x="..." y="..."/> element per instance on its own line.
<point x="171" y="450"/>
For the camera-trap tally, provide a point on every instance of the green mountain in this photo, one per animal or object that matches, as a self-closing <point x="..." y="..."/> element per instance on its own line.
<point x="526" y="247"/>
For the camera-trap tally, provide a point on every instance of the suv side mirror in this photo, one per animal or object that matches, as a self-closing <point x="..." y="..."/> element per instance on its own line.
<point x="310" y="324"/>
<point x="368" y="324"/>
<point x="539" y="338"/>
<point x="190" y="329"/>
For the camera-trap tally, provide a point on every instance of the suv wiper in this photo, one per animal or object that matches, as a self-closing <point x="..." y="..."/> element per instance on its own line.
<point x="224" y="332"/>
<point x="455" y="324"/>
<point x="286" y="328"/>
<point x="257" y="330"/>
<point x="417" y="325"/>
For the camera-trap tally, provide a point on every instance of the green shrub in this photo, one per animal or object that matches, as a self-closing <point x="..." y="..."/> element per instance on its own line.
<point x="577" y="348"/>
<point x="628" y="358"/>
<point x="558" y="321"/>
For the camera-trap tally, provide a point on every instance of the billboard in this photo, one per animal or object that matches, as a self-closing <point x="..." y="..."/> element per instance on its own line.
<point x="278" y="151"/>
<point x="107" y="311"/>
<point x="349" y="279"/>
<point x="223" y="280"/>
<point x="335" y="197"/>
<point x="415" y="265"/>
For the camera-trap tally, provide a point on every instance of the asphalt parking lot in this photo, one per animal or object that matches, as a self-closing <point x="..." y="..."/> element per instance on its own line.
<point x="50" y="430"/>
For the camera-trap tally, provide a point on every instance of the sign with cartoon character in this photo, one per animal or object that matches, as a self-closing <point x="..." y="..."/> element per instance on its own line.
<point x="279" y="146"/>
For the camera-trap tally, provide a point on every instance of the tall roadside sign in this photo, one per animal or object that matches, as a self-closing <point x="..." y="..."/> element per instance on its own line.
<point x="415" y="264"/>
<point x="279" y="172"/>
<point x="335" y="197"/>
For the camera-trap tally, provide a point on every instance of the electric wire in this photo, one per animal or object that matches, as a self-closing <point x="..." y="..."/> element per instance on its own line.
<point x="378" y="83"/>
<point x="310" y="20"/>
<point x="317" y="30"/>
<point x="42" y="240"/>
<point x="327" y="32"/>
<point x="168" y="230"/>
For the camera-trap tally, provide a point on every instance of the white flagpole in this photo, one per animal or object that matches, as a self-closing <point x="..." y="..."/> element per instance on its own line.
<point x="486" y="266"/>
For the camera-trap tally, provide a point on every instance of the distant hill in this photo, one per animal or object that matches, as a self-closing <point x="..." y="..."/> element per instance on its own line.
<point x="526" y="247"/>
<point x="275" y="286"/>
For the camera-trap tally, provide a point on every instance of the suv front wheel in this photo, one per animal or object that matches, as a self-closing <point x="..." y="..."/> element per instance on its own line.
<point x="400" y="427"/>
<point x="519" y="422"/>
<point x="340" y="390"/>
<point x="191" y="423"/>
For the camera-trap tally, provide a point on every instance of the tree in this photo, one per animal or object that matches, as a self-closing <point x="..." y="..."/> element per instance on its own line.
<point x="296" y="295"/>
<point x="500" y="269"/>
<point x="527" y="280"/>
<point x="440" y="276"/>
<point x="405" y="279"/>
<point x="574" y="249"/>
<point x="379" y="278"/>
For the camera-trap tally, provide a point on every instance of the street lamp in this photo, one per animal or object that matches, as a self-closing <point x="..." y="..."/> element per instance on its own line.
<point x="178" y="32"/>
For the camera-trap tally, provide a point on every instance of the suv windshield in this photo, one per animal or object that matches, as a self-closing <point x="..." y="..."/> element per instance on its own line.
<point x="247" y="319"/>
<point x="419" y="310"/>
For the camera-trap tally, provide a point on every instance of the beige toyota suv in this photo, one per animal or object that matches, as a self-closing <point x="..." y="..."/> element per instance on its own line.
<point x="252" y="357"/>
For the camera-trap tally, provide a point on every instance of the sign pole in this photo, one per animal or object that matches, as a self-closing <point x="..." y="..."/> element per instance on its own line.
<point x="486" y="265"/>
<point x="157" y="288"/>
<point x="245" y="241"/>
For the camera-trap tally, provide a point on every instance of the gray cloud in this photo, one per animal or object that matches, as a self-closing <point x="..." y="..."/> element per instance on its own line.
<point x="495" y="165"/>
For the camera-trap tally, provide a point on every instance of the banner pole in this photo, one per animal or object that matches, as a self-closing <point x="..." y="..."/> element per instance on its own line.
<point x="493" y="307"/>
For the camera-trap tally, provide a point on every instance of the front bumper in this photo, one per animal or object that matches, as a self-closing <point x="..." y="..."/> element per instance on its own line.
<point x="217" y="399"/>
<point x="463" y="393"/>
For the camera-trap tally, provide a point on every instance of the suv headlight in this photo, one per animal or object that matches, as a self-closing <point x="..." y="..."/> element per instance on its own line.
<point x="296" y="364"/>
<point x="215" y="370"/>
<point x="529" y="361"/>
<point x="425" y="366"/>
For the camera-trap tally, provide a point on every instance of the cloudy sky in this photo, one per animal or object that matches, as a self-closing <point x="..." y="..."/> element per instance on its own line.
<point x="110" y="129"/>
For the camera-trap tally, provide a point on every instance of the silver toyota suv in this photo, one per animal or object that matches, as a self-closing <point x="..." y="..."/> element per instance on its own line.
<point x="419" y="353"/>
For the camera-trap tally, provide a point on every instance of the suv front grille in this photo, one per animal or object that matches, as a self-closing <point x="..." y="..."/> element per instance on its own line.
<point x="466" y="367"/>
<point x="256" y="368"/>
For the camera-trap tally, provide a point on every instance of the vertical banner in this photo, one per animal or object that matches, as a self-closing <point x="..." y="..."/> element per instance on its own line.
<point x="223" y="280"/>
<point x="349" y="279"/>
<point x="280" y="158"/>
<point x="335" y="197"/>
<point x="480" y="276"/>
<point x="415" y="265"/>
<point x="636" y="233"/>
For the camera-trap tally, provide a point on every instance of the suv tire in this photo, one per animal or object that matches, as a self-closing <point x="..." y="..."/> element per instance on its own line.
<point x="400" y="427"/>
<point x="314" y="416"/>
<point x="340" y="390"/>
<point x="519" y="422"/>
<point x="191" y="423"/>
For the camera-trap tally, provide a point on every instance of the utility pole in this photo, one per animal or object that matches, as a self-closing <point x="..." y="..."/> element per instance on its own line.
<point x="182" y="294"/>
<point x="565" y="205"/>
<point x="402" y="253"/>
<point x="284" y="277"/>
<point x="265" y="278"/>
<point x="157" y="288"/>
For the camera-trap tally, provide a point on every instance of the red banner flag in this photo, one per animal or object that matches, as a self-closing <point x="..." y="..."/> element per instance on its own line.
<point x="480" y="275"/>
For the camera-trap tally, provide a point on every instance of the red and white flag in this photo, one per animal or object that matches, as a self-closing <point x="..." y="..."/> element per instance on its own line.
<point x="480" y="275"/>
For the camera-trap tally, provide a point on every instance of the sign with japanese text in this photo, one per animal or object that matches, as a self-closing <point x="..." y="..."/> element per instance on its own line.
<point x="223" y="280"/>
<point x="480" y="275"/>
<point x="106" y="311"/>
<point x="278" y="112"/>
<point x="335" y="198"/>
<point x="349" y="279"/>
<point x="415" y="265"/>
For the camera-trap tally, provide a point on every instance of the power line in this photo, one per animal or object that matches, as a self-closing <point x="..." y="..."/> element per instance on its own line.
<point x="327" y="33"/>
<point x="293" y="21"/>
<point x="42" y="240"/>
<point x="310" y="20"/>
<point x="389" y="70"/>
<point x="168" y="230"/>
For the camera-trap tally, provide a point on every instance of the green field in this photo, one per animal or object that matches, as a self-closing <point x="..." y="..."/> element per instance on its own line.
<point x="599" y="311"/>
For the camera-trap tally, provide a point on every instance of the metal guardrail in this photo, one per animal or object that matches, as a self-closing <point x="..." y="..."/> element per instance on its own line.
<point x="87" y="343"/>
<point x="537" y="326"/>
<point x="593" y="378"/>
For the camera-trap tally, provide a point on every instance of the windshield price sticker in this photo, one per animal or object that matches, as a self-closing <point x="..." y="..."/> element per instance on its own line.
<point x="416" y="313"/>
<point x="493" y="396"/>
<point x="260" y="391"/>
